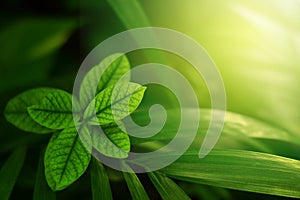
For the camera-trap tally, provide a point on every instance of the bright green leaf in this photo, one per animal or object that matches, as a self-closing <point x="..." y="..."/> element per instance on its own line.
<point x="17" y="114"/>
<point x="66" y="158"/>
<point x="10" y="172"/>
<point x="110" y="107"/>
<point x="41" y="190"/>
<point x="240" y="170"/>
<point x="135" y="187"/>
<point x="118" y="65"/>
<point x="115" y="143"/>
<point x="99" y="182"/>
<point x="167" y="188"/>
<point x="54" y="111"/>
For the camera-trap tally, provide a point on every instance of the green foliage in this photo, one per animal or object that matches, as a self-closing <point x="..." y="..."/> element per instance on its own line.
<point x="10" y="172"/>
<point x="99" y="181"/>
<point x="31" y="48"/>
<point x="261" y="131"/>
<point x="117" y="66"/>
<point x="115" y="143"/>
<point x="54" y="111"/>
<point x="110" y="107"/>
<point x="135" y="187"/>
<point x="166" y="187"/>
<point x="17" y="114"/>
<point x="66" y="159"/>
<point x="41" y="189"/>
<point x="68" y="155"/>
<point x="265" y="173"/>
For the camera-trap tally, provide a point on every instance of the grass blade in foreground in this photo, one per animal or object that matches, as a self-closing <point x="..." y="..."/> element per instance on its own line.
<point x="54" y="111"/>
<point x="240" y="170"/>
<point x="99" y="181"/>
<point x="41" y="188"/>
<point x="10" y="172"/>
<point x="167" y="188"/>
<point x="135" y="187"/>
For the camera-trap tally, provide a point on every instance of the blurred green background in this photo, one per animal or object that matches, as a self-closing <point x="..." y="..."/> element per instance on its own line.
<point x="255" y="44"/>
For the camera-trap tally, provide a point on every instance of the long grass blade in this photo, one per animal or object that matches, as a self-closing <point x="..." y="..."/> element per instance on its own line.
<point x="10" y="172"/>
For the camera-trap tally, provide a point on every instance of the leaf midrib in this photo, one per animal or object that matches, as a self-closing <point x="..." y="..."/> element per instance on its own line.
<point x="113" y="72"/>
<point x="51" y="111"/>
<point x="68" y="158"/>
<point x="119" y="100"/>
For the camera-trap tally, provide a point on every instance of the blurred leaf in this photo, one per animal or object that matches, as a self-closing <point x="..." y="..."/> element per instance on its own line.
<point x="239" y="131"/>
<point x="87" y="5"/>
<point x="123" y="101"/>
<point x="66" y="159"/>
<point x="166" y="187"/>
<point x="54" y="111"/>
<point x="14" y="140"/>
<point x="99" y="181"/>
<point x="117" y="66"/>
<point x="115" y="143"/>
<point x="10" y="172"/>
<point x="135" y="187"/>
<point x="130" y="19"/>
<point x="29" y="45"/>
<point x="17" y="114"/>
<point x="240" y="170"/>
<point x="41" y="189"/>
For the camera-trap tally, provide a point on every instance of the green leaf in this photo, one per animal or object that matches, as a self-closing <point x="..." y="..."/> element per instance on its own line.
<point x="30" y="46"/>
<point x="124" y="101"/>
<point x="99" y="181"/>
<point x="166" y="187"/>
<point x="16" y="110"/>
<point x="115" y="143"/>
<point x="10" y="172"/>
<point x="66" y="158"/>
<point x="54" y="111"/>
<point x="239" y="131"/>
<point x="205" y="192"/>
<point x="130" y="19"/>
<point x="240" y="170"/>
<point x="135" y="187"/>
<point x="41" y="189"/>
<point x="118" y="65"/>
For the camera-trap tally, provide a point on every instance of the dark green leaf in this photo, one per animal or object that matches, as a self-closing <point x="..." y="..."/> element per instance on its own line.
<point x="54" y="111"/>
<point x="135" y="187"/>
<point x="205" y="192"/>
<point x="99" y="181"/>
<point x="41" y="190"/>
<point x="10" y="172"/>
<point x="17" y="114"/>
<point x="66" y="158"/>
<point x="118" y="65"/>
<point x="240" y="170"/>
<point x="29" y="46"/>
<point x="115" y="143"/>
<point x="166" y="187"/>
<point x="111" y="107"/>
